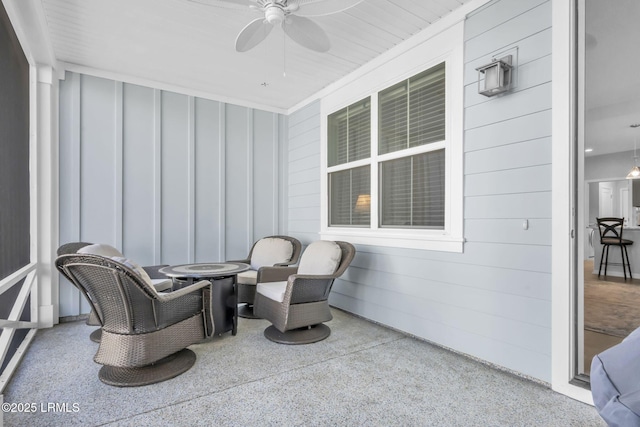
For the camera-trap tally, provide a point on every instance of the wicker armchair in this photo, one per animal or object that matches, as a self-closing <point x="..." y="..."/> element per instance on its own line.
<point x="298" y="306"/>
<point x="159" y="280"/>
<point x="278" y="251"/>
<point x="144" y="333"/>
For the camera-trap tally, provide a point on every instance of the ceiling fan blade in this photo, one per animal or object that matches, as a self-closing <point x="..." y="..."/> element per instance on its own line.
<point x="251" y="35"/>
<point x="306" y="33"/>
<point x="227" y="4"/>
<point x="321" y="7"/>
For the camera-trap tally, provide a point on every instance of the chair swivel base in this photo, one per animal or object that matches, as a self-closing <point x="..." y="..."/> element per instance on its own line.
<point x="246" y="311"/>
<point x="162" y="370"/>
<point x="306" y="335"/>
<point x="96" y="336"/>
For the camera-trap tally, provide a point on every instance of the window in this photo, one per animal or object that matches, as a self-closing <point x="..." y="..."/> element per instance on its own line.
<point x="412" y="191"/>
<point x="392" y="160"/>
<point x="349" y="141"/>
<point x="412" y="114"/>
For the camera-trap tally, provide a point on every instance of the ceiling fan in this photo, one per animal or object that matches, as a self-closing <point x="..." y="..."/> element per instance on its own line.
<point x="290" y="14"/>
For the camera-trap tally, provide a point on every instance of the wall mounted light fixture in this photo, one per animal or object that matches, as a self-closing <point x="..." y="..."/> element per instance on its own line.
<point x="496" y="77"/>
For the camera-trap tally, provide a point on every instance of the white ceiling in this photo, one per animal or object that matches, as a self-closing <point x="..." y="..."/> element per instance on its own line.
<point x="612" y="75"/>
<point x="182" y="44"/>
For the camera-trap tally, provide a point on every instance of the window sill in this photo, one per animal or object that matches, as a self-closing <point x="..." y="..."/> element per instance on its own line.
<point x="408" y="239"/>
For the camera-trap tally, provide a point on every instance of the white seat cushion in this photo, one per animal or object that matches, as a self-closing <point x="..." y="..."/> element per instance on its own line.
<point x="249" y="277"/>
<point x="320" y="258"/>
<point x="136" y="268"/>
<point x="272" y="290"/>
<point x="270" y="251"/>
<point x="161" y="284"/>
<point x="100" y="249"/>
<point x="111" y="252"/>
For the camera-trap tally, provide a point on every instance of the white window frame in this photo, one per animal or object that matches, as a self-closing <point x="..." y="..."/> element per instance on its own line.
<point x="434" y="48"/>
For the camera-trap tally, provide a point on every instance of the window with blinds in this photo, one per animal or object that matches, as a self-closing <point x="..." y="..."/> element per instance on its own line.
<point x="412" y="191"/>
<point x="408" y="157"/>
<point x="412" y="112"/>
<point x="349" y="133"/>
<point x="349" y="197"/>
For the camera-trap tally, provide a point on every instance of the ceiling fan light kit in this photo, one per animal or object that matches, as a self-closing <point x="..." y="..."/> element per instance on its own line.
<point x="291" y="15"/>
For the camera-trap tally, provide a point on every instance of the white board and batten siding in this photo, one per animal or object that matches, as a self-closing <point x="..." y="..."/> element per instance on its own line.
<point x="493" y="301"/>
<point x="164" y="177"/>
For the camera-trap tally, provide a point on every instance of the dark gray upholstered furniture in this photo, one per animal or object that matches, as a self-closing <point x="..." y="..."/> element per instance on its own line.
<point x="298" y="306"/>
<point x="611" y="235"/>
<point x="278" y="251"/>
<point x="144" y="332"/>
<point x="159" y="280"/>
<point x="615" y="382"/>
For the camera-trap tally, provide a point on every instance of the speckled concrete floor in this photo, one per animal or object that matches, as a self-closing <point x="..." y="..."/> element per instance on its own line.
<point x="362" y="375"/>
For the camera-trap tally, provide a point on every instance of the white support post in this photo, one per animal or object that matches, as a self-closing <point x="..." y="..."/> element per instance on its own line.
<point x="46" y="196"/>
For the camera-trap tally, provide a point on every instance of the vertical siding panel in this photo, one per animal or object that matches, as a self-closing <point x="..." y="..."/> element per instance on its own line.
<point x="236" y="185"/>
<point x="222" y="176"/>
<point x="97" y="160"/>
<point x="139" y="168"/>
<point x="175" y="178"/>
<point x="117" y="207"/>
<point x="265" y="166"/>
<point x="191" y="183"/>
<point x="157" y="176"/>
<point x="207" y="180"/>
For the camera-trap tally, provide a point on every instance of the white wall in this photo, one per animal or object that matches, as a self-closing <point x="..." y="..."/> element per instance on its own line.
<point x="166" y="178"/>
<point x="494" y="300"/>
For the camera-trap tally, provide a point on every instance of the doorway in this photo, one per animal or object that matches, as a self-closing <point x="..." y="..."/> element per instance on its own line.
<point x="608" y="108"/>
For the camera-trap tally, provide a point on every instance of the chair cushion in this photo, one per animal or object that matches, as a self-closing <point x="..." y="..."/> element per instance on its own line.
<point x="272" y="290"/>
<point x="270" y="251"/>
<point x="320" y="258"/>
<point x="161" y="284"/>
<point x="108" y="251"/>
<point x="100" y="249"/>
<point x="136" y="268"/>
<point x="249" y="277"/>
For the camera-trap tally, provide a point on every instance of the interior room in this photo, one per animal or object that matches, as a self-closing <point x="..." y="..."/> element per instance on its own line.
<point x="361" y="211"/>
<point x="611" y="135"/>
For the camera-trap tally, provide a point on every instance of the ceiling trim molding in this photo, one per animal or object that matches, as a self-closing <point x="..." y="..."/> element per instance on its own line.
<point x="30" y="24"/>
<point x="154" y="84"/>
<point x="431" y="31"/>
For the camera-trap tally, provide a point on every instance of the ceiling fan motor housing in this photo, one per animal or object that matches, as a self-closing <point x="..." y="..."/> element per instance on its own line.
<point x="274" y="14"/>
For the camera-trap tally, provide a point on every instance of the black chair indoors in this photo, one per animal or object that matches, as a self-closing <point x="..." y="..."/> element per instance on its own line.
<point x="611" y="235"/>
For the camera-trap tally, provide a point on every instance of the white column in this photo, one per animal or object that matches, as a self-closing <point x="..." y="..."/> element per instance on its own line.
<point x="45" y="237"/>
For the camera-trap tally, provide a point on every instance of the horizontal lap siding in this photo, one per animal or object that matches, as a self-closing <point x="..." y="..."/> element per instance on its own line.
<point x="304" y="174"/>
<point x="164" y="177"/>
<point x="494" y="300"/>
